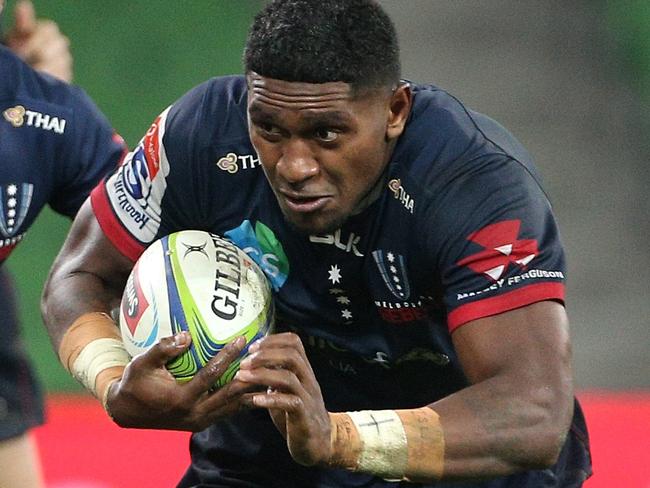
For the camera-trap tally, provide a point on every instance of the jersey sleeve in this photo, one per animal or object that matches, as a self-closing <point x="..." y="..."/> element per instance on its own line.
<point x="153" y="192"/>
<point x="501" y="249"/>
<point x="93" y="149"/>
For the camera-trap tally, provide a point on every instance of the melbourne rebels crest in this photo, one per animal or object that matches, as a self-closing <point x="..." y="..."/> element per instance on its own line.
<point x="15" y="199"/>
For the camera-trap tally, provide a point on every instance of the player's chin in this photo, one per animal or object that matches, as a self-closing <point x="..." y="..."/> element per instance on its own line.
<point x="314" y="223"/>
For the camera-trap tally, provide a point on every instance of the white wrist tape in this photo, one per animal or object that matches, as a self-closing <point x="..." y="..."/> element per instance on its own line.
<point x="385" y="451"/>
<point x="393" y="444"/>
<point x="92" y="351"/>
<point x="95" y="357"/>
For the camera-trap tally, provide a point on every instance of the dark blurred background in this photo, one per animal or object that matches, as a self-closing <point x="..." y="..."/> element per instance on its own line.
<point x="570" y="79"/>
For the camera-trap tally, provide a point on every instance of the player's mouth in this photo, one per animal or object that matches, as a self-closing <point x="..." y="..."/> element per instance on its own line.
<point x="304" y="203"/>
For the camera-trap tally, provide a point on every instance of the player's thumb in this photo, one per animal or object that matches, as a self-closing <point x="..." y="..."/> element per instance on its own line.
<point x="167" y="349"/>
<point x="24" y="18"/>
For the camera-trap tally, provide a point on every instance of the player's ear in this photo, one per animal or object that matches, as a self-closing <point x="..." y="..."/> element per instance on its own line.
<point x="399" y="108"/>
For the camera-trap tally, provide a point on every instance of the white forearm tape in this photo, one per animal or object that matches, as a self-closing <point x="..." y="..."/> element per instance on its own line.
<point x="93" y="352"/>
<point x="384" y="451"/>
<point x="391" y="444"/>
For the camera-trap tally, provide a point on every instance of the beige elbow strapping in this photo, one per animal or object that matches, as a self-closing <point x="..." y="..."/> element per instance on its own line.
<point x="93" y="352"/>
<point x="391" y="444"/>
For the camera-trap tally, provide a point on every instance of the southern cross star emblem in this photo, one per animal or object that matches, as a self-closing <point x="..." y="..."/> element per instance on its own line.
<point x="334" y="274"/>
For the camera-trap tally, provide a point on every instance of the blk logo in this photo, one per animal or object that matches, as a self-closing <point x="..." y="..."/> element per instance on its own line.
<point x="501" y="248"/>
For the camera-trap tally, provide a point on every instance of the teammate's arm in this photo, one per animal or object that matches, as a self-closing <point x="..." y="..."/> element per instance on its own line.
<point x="84" y="285"/>
<point x="513" y="417"/>
<point x="39" y="42"/>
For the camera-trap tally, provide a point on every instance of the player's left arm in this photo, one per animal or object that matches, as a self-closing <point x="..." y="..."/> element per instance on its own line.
<point x="513" y="417"/>
<point x="517" y="412"/>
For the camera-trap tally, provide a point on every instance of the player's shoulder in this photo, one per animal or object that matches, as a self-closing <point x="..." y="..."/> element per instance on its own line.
<point x="42" y="93"/>
<point x="445" y="141"/>
<point x="214" y="110"/>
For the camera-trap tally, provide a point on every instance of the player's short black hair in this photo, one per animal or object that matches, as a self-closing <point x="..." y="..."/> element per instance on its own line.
<point x="318" y="41"/>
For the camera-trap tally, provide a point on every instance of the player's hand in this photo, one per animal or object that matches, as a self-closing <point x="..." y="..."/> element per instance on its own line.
<point x="293" y="397"/>
<point x="148" y="396"/>
<point x="40" y="42"/>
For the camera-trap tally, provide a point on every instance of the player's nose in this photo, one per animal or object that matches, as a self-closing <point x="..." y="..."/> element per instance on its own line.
<point x="297" y="162"/>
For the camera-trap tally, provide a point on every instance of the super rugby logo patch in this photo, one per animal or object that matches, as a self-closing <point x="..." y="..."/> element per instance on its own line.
<point x="136" y="189"/>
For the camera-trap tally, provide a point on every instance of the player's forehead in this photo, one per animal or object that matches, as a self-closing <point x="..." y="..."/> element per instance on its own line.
<point x="271" y="93"/>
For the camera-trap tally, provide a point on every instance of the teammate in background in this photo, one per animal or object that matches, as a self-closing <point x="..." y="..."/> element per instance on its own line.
<point x="417" y="268"/>
<point x="54" y="147"/>
<point x="39" y="42"/>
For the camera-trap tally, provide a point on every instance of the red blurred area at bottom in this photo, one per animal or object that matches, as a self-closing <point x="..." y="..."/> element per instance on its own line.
<point x="619" y="428"/>
<point x="82" y="448"/>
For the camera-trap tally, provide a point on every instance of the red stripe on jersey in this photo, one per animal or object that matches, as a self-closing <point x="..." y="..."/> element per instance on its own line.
<point x="118" y="139"/>
<point x="113" y="229"/>
<point x="508" y="301"/>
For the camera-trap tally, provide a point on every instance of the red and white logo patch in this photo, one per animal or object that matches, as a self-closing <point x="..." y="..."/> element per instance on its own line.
<point x="134" y="302"/>
<point x="501" y="249"/>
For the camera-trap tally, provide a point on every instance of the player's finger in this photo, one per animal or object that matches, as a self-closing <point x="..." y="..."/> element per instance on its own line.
<point x="168" y="348"/>
<point x="227" y="399"/>
<point x="207" y="376"/>
<point x="24" y="18"/>
<point x="276" y="400"/>
<point x="277" y="379"/>
<point x="285" y="340"/>
<point x="279" y="358"/>
<point x="287" y="347"/>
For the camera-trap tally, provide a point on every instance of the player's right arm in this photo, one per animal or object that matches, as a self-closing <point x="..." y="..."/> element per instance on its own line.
<point x="84" y="285"/>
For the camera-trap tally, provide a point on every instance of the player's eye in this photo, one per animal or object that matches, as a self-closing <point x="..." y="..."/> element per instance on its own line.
<point x="326" y="134"/>
<point x="268" y="128"/>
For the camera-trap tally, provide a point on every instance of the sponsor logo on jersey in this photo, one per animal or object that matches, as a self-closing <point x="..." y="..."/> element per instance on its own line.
<point x="393" y="271"/>
<point x="350" y="245"/>
<point x="400" y="194"/>
<point x="349" y="361"/>
<point x="19" y="116"/>
<point x="15" y="199"/>
<point x="231" y="162"/>
<point x="264" y="248"/>
<point x="532" y="274"/>
<point x="501" y="250"/>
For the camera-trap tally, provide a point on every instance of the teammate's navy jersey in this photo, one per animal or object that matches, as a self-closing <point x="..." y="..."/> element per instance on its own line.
<point x="462" y="230"/>
<point x="54" y="147"/>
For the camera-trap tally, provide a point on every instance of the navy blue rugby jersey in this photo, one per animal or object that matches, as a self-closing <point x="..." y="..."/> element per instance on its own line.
<point x="55" y="145"/>
<point x="461" y="231"/>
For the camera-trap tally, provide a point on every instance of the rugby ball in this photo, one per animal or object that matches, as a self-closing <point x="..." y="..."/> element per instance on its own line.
<point x="199" y="282"/>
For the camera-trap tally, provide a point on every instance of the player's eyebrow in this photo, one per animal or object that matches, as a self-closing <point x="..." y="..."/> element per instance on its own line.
<point x="309" y="116"/>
